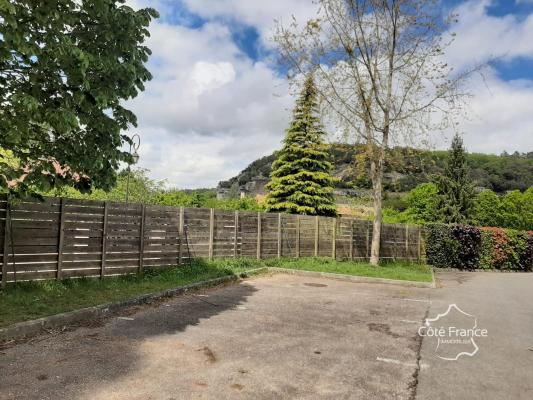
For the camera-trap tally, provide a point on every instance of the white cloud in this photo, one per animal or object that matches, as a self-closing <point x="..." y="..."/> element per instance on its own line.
<point x="210" y="109"/>
<point x="260" y="14"/>
<point x="482" y="37"/>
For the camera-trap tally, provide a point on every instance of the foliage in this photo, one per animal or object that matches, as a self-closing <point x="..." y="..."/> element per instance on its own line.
<point x="301" y="180"/>
<point x="423" y="204"/>
<point x="509" y="249"/>
<point x="179" y="198"/>
<point x="66" y="68"/>
<point x="514" y="210"/>
<point x="456" y="192"/>
<point x="487" y="209"/>
<point x="442" y="250"/>
<point x="459" y="246"/>
<point x="405" y="168"/>
<point x="142" y="189"/>
<point x="469" y="240"/>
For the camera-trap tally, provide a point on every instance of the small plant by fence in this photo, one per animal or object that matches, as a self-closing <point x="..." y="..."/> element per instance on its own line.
<point x="65" y="238"/>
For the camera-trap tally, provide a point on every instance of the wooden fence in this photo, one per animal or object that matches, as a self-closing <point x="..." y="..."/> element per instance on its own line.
<point x="65" y="238"/>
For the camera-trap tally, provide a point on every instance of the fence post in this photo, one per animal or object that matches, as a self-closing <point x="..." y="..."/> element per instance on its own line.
<point x="367" y="239"/>
<point x="351" y="239"/>
<point x="6" y="244"/>
<point x="419" y="249"/>
<point x="61" y="238"/>
<point x="236" y="234"/>
<point x="258" y="235"/>
<point x="298" y="236"/>
<point x="317" y="234"/>
<point x="211" y="232"/>
<point x="279" y="235"/>
<point x="334" y="240"/>
<point x="406" y="241"/>
<point x="104" y="240"/>
<point x="181" y="225"/>
<point x="141" y="239"/>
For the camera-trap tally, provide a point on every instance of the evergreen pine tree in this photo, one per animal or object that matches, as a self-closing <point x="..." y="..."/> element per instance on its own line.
<point x="301" y="180"/>
<point x="455" y="188"/>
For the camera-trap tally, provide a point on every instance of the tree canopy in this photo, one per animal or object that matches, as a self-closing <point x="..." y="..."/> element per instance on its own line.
<point x="456" y="192"/>
<point x="66" y="68"/>
<point x="301" y="180"/>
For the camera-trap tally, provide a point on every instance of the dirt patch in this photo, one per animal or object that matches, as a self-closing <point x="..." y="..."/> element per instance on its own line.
<point x="383" y="328"/>
<point x="237" y="386"/>
<point x="312" y="284"/>
<point x="209" y="354"/>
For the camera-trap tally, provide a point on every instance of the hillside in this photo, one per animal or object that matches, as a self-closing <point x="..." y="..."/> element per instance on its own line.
<point x="406" y="168"/>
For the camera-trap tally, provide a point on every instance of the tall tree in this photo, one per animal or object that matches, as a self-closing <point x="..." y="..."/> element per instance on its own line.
<point x="66" y="68"/>
<point x="381" y="73"/>
<point x="301" y="180"/>
<point x="456" y="191"/>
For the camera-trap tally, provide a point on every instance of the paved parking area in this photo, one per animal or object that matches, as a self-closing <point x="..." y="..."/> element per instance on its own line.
<point x="271" y="337"/>
<point x="283" y="336"/>
<point x="502" y="368"/>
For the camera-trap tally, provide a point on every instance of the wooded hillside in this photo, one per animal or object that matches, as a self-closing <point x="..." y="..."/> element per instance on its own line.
<point x="406" y="168"/>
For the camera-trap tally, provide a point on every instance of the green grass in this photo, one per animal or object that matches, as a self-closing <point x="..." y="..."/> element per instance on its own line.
<point x="30" y="300"/>
<point x="397" y="270"/>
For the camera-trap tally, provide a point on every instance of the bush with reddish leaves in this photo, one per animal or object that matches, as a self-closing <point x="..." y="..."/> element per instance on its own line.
<point x="468" y="247"/>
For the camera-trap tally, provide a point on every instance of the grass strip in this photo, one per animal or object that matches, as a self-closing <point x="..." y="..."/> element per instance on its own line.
<point x="25" y="301"/>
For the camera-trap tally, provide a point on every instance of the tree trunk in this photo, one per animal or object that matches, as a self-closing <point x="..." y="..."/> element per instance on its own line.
<point x="376" y="171"/>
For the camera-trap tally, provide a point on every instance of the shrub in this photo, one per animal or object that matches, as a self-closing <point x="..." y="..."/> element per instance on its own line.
<point x="441" y="248"/>
<point x="469" y="245"/>
<point x="487" y="243"/>
<point x="526" y="258"/>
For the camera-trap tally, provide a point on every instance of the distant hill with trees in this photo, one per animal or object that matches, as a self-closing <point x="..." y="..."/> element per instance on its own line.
<point x="405" y="168"/>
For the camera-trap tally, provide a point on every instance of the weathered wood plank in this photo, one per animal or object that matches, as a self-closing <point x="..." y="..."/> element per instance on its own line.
<point x="5" y="247"/>
<point x="104" y="241"/>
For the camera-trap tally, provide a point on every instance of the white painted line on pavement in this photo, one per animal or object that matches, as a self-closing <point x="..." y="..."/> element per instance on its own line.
<point x="405" y="364"/>
<point x="418" y="300"/>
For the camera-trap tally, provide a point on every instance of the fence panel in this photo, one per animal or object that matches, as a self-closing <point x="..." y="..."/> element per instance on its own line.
<point x="68" y="238"/>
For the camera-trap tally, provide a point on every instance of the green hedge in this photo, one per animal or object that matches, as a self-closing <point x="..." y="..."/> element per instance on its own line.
<point x="469" y="247"/>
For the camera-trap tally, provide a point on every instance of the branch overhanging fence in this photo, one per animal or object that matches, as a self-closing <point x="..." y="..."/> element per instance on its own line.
<point x="60" y="238"/>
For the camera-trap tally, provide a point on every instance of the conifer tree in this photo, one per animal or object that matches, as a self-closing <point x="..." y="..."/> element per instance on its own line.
<point x="301" y="180"/>
<point x="455" y="188"/>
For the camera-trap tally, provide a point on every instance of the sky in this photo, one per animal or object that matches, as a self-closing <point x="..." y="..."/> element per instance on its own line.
<point x="219" y="101"/>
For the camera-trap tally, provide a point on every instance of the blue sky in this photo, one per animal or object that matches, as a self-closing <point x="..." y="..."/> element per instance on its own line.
<point x="218" y="101"/>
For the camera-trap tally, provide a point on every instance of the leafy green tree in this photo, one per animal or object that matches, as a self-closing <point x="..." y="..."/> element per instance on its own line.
<point x="487" y="210"/>
<point x="66" y="68"/>
<point x="517" y="209"/>
<point x="423" y="204"/>
<point x="456" y="192"/>
<point x="142" y="189"/>
<point x="301" y="180"/>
